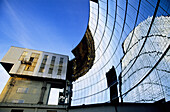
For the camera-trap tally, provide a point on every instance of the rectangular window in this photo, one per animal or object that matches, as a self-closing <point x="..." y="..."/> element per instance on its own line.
<point x="41" y="70"/>
<point x="22" y="90"/>
<point x="27" y="67"/>
<point x="50" y="71"/>
<point x="24" y="54"/>
<point x="61" y="60"/>
<point x="60" y="66"/>
<point x="18" y="101"/>
<point x="31" y="59"/>
<point x="42" y="66"/>
<point x="59" y="72"/>
<point x="30" y="65"/>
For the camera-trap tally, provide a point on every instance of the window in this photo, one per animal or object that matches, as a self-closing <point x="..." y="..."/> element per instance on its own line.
<point x="27" y="67"/>
<point x="53" y="58"/>
<point x="41" y="70"/>
<point x="61" y="60"/>
<point x="18" y="101"/>
<point x="50" y="71"/>
<point x="31" y="59"/>
<point x="30" y="65"/>
<point x="42" y="66"/>
<point x="22" y="90"/>
<point x="24" y="54"/>
<point x="59" y="71"/>
<point x="60" y="66"/>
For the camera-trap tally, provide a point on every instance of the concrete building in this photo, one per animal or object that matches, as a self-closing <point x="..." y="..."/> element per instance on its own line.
<point x="27" y="62"/>
<point x="33" y="74"/>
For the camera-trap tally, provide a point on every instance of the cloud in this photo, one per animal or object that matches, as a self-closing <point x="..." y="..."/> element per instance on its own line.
<point x="20" y="34"/>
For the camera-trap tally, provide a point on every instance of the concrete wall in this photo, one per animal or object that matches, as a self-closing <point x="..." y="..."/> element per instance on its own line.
<point x="126" y="107"/>
<point x="7" y="107"/>
<point x="23" y="89"/>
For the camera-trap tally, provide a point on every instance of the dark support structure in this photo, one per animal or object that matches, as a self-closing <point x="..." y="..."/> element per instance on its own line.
<point x="112" y="83"/>
<point x="10" y="86"/>
<point x="123" y="107"/>
<point x="43" y="89"/>
<point x="120" y="88"/>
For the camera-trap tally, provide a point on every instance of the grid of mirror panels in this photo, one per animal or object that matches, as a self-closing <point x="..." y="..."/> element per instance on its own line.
<point x="134" y="37"/>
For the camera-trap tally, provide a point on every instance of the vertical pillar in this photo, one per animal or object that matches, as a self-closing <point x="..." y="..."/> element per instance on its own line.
<point x="120" y="88"/>
<point x="10" y="86"/>
<point x="69" y="92"/>
<point x="43" y="89"/>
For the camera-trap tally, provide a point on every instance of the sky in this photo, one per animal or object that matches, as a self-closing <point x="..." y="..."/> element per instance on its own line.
<point x="55" y="26"/>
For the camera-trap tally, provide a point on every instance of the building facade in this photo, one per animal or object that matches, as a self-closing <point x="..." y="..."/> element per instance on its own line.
<point x="27" y="62"/>
<point x="115" y="26"/>
<point x="154" y="73"/>
<point x="33" y="74"/>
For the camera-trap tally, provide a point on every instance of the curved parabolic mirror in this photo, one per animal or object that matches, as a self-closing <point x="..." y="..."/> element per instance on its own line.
<point x="130" y="57"/>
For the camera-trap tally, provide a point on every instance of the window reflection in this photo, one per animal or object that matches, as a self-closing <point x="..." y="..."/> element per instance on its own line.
<point x="117" y="43"/>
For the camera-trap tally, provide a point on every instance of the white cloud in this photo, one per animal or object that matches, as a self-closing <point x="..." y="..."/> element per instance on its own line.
<point x="20" y="34"/>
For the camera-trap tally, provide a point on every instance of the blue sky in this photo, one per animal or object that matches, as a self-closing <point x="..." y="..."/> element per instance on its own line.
<point x="47" y="25"/>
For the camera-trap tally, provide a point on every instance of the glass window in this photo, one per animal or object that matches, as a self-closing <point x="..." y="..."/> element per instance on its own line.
<point x="50" y="71"/>
<point x="60" y="66"/>
<point x="24" y="54"/>
<point x="125" y="51"/>
<point x="17" y="101"/>
<point x="42" y="66"/>
<point x="22" y="90"/>
<point x="30" y="65"/>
